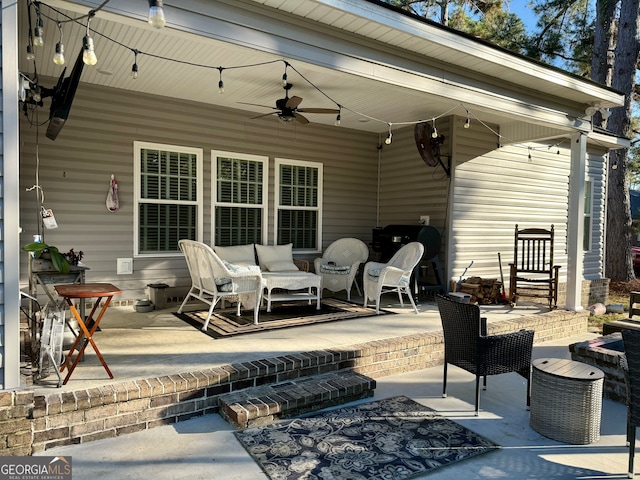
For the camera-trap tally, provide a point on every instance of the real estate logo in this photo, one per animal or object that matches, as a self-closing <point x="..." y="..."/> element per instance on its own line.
<point x="35" y="468"/>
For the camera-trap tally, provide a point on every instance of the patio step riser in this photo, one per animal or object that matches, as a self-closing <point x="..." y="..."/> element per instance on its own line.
<point x="267" y="404"/>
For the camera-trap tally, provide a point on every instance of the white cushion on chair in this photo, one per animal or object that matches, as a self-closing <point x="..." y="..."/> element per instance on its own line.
<point x="242" y="255"/>
<point x="270" y="254"/>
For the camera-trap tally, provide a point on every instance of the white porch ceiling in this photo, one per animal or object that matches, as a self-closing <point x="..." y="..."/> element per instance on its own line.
<point x="398" y="86"/>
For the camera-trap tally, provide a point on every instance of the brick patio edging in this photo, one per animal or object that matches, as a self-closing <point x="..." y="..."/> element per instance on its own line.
<point x="117" y="409"/>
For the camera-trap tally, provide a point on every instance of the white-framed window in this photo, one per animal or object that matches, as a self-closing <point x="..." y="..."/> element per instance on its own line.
<point x="239" y="185"/>
<point x="298" y="205"/>
<point x="168" y="197"/>
<point x="588" y="214"/>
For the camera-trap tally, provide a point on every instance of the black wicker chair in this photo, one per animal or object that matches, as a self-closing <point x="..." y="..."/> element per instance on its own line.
<point x="631" y="340"/>
<point x="467" y="346"/>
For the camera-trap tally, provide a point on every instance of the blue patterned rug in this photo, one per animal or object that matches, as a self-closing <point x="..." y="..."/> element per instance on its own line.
<point x="395" y="438"/>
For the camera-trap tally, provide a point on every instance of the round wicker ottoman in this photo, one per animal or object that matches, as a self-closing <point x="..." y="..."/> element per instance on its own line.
<point x="566" y="400"/>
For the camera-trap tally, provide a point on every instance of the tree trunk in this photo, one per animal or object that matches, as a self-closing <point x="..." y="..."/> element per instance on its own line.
<point x="618" y="255"/>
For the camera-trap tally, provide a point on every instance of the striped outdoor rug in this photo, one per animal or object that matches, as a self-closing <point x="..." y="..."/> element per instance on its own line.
<point x="225" y="323"/>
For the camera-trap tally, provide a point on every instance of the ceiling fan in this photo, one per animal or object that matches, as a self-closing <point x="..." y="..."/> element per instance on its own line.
<point x="288" y="111"/>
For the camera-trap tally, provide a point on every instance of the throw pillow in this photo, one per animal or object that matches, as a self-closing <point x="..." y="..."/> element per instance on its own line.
<point x="274" y="253"/>
<point x="242" y="255"/>
<point x="282" y="266"/>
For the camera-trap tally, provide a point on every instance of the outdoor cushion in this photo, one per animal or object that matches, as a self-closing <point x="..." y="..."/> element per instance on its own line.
<point x="225" y="282"/>
<point x="281" y="266"/>
<point x="242" y="255"/>
<point x="337" y="269"/>
<point x="274" y="253"/>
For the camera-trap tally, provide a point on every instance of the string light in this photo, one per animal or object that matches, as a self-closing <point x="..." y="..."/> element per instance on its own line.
<point x="58" y="57"/>
<point x="467" y="122"/>
<point x="156" y="14"/>
<point x="220" y="82"/>
<point x="88" y="51"/>
<point x="284" y="75"/>
<point x="529" y="153"/>
<point x="134" y="67"/>
<point x="434" y="134"/>
<point x="339" y="116"/>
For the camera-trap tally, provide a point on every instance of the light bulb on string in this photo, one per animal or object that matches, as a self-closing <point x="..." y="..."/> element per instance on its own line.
<point x="58" y="57"/>
<point x="467" y="122"/>
<point x="30" y="55"/>
<point x="88" y="51"/>
<point x="38" y="41"/>
<point x="434" y="134"/>
<point x="338" y="118"/>
<point x="220" y="82"/>
<point x="389" y="138"/>
<point x="284" y="75"/>
<point x="156" y="14"/>
<point x="134" y="67"/>
<point x="529" y="153"/>
<point x="36" y="94"/>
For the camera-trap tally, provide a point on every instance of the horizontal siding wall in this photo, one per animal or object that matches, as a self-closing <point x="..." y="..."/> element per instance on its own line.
<point x="97" y="141"/>
<point x="497" y="188"/>
<point x="597" y="173"/>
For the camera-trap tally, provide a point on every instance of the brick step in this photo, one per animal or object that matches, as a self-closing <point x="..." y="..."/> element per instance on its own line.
<point x="268" y="403"/>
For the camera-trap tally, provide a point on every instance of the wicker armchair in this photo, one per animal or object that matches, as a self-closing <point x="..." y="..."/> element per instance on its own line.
<point x="213" y="280"/>
<point x="631" y="368"/>
<point x="467" y="345"/>
<point x="339" y="264"/>
<point x="394" y="276"/>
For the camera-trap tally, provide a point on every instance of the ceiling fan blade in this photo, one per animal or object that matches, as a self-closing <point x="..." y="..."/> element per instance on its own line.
<point x="263" y="115"/>
<point x="319" y="110"/>
<point x="293" y="102"/>
<point x="300" y="118"/>
<point x="256" y="105"/>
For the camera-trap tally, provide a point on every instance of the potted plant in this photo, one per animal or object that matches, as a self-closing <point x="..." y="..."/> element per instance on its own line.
<point x="42" y="250"/>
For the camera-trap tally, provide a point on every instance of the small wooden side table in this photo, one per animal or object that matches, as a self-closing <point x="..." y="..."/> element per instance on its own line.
<point x="89" y="325"/>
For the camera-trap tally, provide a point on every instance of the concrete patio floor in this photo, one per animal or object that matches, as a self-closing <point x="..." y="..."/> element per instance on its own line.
<point x="140" y="345"/>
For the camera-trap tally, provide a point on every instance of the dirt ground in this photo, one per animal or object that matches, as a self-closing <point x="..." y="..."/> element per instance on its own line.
<point x="620" y="288"/>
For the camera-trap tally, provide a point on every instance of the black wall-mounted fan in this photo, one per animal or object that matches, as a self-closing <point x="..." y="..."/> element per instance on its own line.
<point x="287" y="108"/>
<point x="429" y="146"/>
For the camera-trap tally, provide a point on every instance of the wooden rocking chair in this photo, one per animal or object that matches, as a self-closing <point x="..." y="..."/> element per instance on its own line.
<point x="533" y="273"/>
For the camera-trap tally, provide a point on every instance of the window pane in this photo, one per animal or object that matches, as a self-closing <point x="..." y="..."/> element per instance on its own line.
<point x="298" y="186"/>
<point x="168" y="175"/>
<point x="298" y="227"/>
<point x="238" y="226"/>
<point x="239" y="181"/>
<point x="161" y="226"/>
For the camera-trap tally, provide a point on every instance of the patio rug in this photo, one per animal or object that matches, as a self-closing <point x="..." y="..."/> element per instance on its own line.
<point x="225" y="323"/>
<point x="395" y="438"/>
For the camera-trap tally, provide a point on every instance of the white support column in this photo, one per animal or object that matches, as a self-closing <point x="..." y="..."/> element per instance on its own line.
<point x="575" y="221"/>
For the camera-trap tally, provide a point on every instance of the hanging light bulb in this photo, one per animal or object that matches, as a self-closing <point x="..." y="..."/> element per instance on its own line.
<point x="434" y="134"/>
<point x="467" y="122"/>
<point x="36" y="94"/>
<point x="30" y="55"/>
<point x="58" y="57"/>
<point x="220" y="82"/>
<point x="156" y="14"/>
<point x="337" y="124"/>
<point x="529" y="153"/>
<point x="38" y="41"/>
<point x="284" y="76"/>
<point x="388" y="139"/>
<point x="134" y="67"/>
<point x="88" y="52"/>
